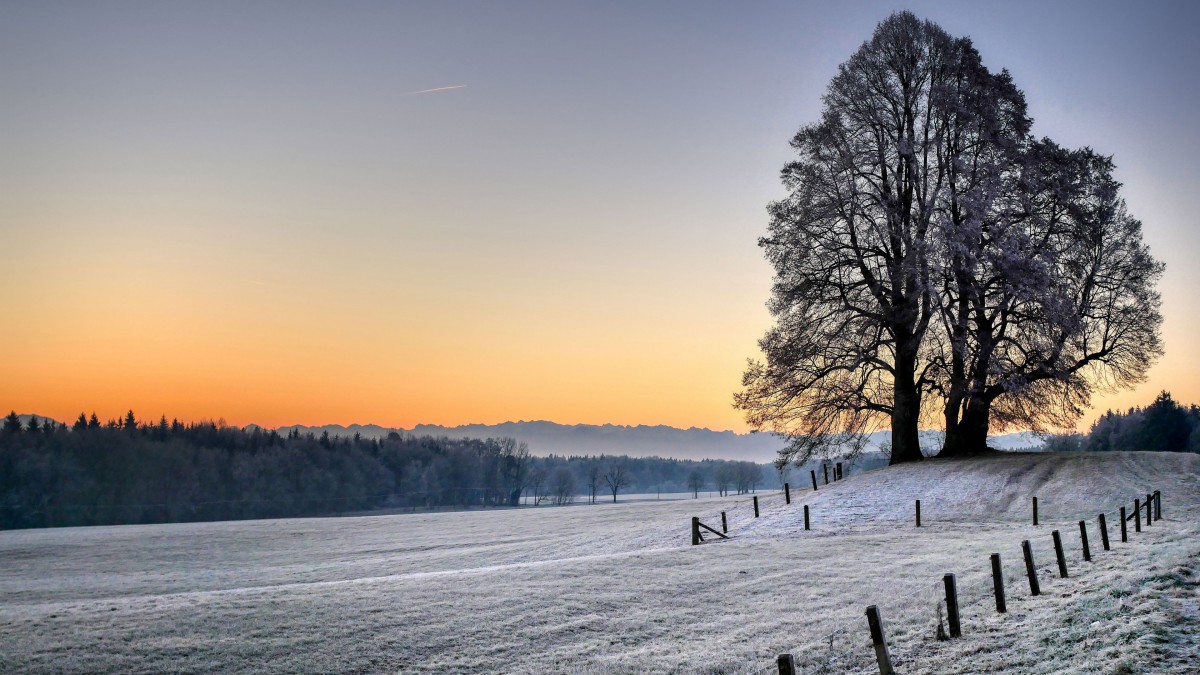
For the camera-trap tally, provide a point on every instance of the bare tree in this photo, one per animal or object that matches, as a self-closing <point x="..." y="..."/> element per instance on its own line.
<point x="851" y="298"/>
<point x="747" y="475"/>
<point x="695" y="481"/>
<point x="723" y="477"/>
<point x="594" y="476"/>
<point x="616" y="477"/>
<point x="534" y="484"/>
<point x="515" y="461"/>
<point x="562" y="485"/>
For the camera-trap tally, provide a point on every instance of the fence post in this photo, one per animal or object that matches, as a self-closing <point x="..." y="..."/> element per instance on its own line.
<point x="1157" y="505"/>
<point x="1035" y="511"/>
<point x="918" y="513"/>
<point x="813" y="473"/>
<point x="1124" y="527"/>
<point x="724" y="524"/>
<point x="787" y="493"/>
<point x="1137" y="515"/>
<point x="880" y="641"/>
<point x="755" y="506"/>
<point x="998" y="583"/>
<point x="1030" y="570"/>
<point x="825" y="468"/>
<point x="787" y="664"/>
<point x="1104" y="532"/>
<point x="839" y="471"/>
<point x="1149" y="508"/>
<point x="952" y="605"/>
<point x="1058" y="553"/>
<point x="806" y="516"/>
<point x="695" y="530"/>
<point x="1087" y="552"/>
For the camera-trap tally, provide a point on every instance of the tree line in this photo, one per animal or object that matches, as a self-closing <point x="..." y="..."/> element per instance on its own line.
<point x="938" y="263"/>
<point x="145" y="471"/>
<point x="1164" y="426"/>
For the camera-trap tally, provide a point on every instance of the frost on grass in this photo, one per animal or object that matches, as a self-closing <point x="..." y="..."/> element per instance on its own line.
<point x="618" y="588"/>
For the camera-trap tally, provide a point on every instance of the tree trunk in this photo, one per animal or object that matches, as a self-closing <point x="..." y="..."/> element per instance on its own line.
<point x="969" y="435"/>
<point x="906" y="414"/>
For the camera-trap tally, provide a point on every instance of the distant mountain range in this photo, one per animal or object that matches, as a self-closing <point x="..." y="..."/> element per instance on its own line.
<point x="546" y="438"/>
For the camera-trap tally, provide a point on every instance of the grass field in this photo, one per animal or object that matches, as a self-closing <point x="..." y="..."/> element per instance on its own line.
<point x="618" y="588"/>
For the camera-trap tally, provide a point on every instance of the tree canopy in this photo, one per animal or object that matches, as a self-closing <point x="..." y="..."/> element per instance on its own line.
<point x="932" y="254"/>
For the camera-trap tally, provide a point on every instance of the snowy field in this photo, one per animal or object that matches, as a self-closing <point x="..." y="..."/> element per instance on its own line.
<point x="616" y="588"/>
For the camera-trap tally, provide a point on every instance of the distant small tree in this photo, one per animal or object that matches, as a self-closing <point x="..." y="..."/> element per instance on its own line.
<point x="536" y="481"/>
<point x="723" y="477"/>
<point x="130" y="423"/>
<point x="33" y="427"/>
<point x="747" y="475"/>
<point x="594" y="476"/>
<point x="695" y="481"/>
<point x="81" y="423"/>
<point x="616" y="477"/>
<point x="12" y="423"/>
<point x="562" y="485"/>
<point x="515" y="462"/>
<point x="1063" y="443"/>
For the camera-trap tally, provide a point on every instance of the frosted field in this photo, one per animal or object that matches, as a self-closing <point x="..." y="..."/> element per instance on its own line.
<point x="618" y="589"/>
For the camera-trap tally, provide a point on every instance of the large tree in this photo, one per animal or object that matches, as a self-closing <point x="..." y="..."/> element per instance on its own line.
<point x="932" y="251"/>
<point x="850" y="246"/>
<point x="1063" y="300"/>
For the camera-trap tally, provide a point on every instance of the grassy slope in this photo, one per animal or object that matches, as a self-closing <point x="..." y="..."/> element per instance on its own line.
<point x="616" y="588"/>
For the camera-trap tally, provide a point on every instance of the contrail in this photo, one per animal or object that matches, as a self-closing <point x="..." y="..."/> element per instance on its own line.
<point x="426" y="91"/>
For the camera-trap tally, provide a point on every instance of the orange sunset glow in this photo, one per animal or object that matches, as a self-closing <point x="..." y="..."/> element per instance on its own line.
<point x="282" y="231"/>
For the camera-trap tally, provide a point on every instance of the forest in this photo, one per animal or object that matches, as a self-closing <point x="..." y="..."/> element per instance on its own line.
<point x="1165" y="426"/>
<point x="144" y="471"/>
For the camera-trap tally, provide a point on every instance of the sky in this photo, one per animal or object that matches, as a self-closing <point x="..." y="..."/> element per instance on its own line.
<point x="473" y="212"/>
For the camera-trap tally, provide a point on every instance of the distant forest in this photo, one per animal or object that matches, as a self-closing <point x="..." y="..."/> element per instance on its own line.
<point x="136" y="471"/>
<point x="1164" y="426"/>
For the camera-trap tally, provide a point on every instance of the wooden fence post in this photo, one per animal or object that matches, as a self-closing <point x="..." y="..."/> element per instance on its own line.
<point x="952" y="605"/>
<point x="918" y="513"/>
<point x="1030" y="570"/>
<point x="1157" y="505"/>
<point x="825" y="468"/>
<point x="1058" y="553"/>
<point x="839" y="470"/>
<point x="787" y="493"/>
<point x="813" y="473"/>
<point x="1104" y="533"/>
<point x="1149" y="509"/>
<point x="695" y="530"/>
<point x="880" y="641"/>
<point x="755" y="506"/>
<point x="806" y="516"/>
<point x="1137" y="515"/>
<point x="724" y="523"/>
<point x="1035" y="511"/>
<point x="1087" y="552"/>
<point x="998" y="583"/>
<point x="1124" y="527"/>
<point x="787" y="664"/>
